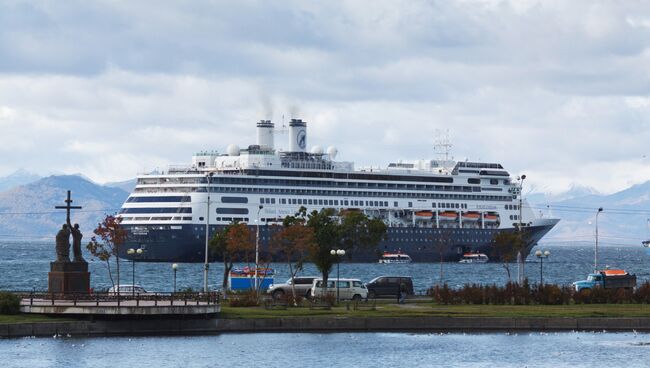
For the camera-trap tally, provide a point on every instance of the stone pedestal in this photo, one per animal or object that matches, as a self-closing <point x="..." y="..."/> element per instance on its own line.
<point x="68" y="277"/>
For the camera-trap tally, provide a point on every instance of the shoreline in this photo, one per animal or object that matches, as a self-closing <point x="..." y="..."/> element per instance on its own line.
<point x="212" y="326"/>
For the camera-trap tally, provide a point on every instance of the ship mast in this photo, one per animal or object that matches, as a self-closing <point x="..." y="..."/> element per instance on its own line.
<point x="442" y="145"/>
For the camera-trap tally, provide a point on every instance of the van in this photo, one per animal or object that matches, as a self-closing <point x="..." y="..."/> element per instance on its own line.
<point x="389" y="286"/>
<point x="350" y="289"/>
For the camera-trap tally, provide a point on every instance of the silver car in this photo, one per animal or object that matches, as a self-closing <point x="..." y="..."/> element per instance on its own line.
<point x="302" y="285"/>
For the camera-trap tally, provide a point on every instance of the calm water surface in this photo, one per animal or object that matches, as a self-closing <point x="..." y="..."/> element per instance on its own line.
<point x="289" y="350"/>
<point x="24" y="265"/>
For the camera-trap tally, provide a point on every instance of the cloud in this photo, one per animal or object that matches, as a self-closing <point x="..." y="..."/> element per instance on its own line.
<point x="553" y="88"/>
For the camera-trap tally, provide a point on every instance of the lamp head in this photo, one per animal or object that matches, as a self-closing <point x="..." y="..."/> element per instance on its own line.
<point x="139" y="251"/>
<point x="130" y="251"/>
<point x="600" y="209"/>
<point x="333" y="252"/>
<point x="523" y="176"/>
<point x="538" y="253"/>
<point x="340" y="252"/>
<point x="175" y="266"/>
<point x="547" y="253"/>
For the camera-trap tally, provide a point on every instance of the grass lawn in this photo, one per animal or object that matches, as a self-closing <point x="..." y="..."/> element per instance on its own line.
<point x="27" y="318"/>
<point x="429" y="309"/>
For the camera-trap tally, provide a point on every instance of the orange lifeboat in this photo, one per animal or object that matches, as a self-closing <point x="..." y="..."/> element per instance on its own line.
<point x="490" y="217"/>
<point x="448" y="215"/>
<point x="427" y="214"/>
<point x="472" y="216"/>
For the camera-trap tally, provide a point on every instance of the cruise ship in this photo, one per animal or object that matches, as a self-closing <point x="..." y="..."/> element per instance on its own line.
<point x="430" y="206"/>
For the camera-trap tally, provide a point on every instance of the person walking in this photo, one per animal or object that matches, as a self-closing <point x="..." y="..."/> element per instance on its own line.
<point x="402" y="293"/>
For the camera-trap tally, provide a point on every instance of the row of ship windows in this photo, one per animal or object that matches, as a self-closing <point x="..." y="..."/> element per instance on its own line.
<point x="318" y="183"/>
<point x="420" y="240"/>
<point x="335" y="202"/>
<point x="511" y="207"/>
<point x="476" y="197"/>
<point x="176" y="218"/>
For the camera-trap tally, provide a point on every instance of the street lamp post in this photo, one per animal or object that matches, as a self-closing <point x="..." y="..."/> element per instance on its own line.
<point x="337" y="253"/>
<point x="257" y="245"/>
<point x="541" y="255"/>
<point x="175" y="268"/>
<point x="132" y="252"/>
<point x="596" y="248"/>
<point x="520" y="260"/>
<point x="206" y="266"/>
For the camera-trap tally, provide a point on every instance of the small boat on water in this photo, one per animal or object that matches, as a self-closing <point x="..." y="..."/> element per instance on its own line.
<point x="646" y="243"/>
<point x="474" y="258"/>
<point x="395" y="258"/>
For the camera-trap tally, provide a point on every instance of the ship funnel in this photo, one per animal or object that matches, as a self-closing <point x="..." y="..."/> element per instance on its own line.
<point x="297" y="135"/>
<point x="265" y="134"/>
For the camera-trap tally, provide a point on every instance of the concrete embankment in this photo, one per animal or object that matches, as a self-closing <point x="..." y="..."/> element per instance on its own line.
<point x="318" y="324"/>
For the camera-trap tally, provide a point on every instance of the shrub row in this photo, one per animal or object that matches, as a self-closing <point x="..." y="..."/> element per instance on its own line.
<point x="546" y="294"/>
<point x="247" y="298"/>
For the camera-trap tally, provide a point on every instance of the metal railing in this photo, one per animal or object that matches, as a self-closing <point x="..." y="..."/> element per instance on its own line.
<point x="98" y="299"/>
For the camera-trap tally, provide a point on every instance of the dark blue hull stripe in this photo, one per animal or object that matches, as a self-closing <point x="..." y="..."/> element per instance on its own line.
<point x="186" y="243"/>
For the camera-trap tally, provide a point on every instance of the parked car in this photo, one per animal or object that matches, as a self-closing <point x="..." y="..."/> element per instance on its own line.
<point x="389" y="286"/>
<point x="302" y="284"/>
<point x="128" y="290"/>
<point x="352" y="289"/>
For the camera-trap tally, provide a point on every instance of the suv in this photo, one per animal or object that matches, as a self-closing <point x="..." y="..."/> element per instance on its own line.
<point x="302" y="285"/>
<point x="347" y="288"/>
<point x="389" y="286"/>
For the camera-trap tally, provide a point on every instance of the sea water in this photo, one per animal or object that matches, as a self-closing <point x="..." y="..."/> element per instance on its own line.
<point x="288" y="350"/>
<point x="24" y="266"/>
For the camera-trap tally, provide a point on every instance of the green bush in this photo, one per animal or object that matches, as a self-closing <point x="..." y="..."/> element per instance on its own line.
<point x="9" y="303"/>
<point x="247" y="298"/>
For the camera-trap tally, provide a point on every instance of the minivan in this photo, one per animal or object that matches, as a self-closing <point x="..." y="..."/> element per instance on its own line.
<point x="389" y="286"/>
<point x="347" y="288"/>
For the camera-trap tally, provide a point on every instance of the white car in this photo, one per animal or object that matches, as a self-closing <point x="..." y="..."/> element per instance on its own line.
<point x="128" y="290"/>
<point x="302" y="285"/>
<point x="351" y="289"/>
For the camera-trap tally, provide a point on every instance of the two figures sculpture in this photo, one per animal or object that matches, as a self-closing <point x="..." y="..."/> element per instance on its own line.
<point x="63" y="243"/>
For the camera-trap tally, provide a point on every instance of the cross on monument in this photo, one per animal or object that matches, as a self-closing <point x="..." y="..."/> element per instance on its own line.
<point x="67" y="208"/>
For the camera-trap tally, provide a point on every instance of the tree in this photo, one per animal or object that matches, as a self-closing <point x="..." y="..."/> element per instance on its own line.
<point x="109" y="236"/>
<point x="293" y="243"/>
<point x="234" y="243"/>
<point x="341" y="230"/>
<point x="358" y="231"/>
<point x="506" y="247"/>
<point x="441" y="246"/>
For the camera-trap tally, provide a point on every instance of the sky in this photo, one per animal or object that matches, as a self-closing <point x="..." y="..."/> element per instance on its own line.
<point x="556" y="90"/>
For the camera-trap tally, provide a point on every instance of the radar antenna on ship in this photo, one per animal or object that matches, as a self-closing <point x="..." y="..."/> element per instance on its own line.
<point x="442" y="145"/>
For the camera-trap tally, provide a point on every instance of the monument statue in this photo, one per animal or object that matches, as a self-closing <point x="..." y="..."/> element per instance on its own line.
<point x="76" y="244"/>
<point x="67" y="277"/>
<point x="63" y="244"/>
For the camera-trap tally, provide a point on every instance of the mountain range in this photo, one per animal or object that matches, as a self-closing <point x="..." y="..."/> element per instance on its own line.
<point x="622" y="222"/>
<point x="27" y="209"/>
